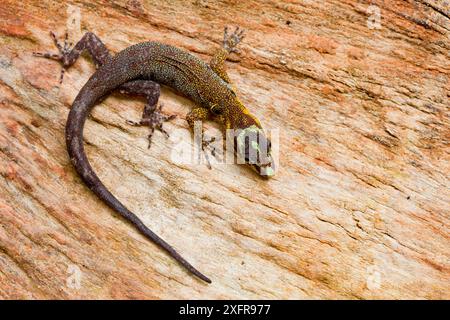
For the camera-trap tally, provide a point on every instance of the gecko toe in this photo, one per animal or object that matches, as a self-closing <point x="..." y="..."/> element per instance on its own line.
<point x="154" y="119"/>
<point x="230" y="41"/>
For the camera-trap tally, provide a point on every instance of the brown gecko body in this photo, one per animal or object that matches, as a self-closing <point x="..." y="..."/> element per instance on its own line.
<point x="138" y="69"/>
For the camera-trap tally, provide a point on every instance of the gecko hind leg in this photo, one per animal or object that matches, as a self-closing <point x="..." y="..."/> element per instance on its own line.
<point x="198" y="115"/>
<point x="67" y="55"/>
<point x="152" y="115"/>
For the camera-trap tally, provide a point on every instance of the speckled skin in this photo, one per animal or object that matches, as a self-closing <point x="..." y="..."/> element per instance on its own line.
<point x="138" y="69"/>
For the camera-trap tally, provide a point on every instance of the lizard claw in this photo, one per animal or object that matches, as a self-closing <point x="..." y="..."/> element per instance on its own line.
<point x="230" y="41"/>
<point x="153" y="118"/>
<point x="61" y="56"/>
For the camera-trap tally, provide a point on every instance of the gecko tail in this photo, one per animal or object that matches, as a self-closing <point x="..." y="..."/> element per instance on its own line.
<point x="74" y="140"/>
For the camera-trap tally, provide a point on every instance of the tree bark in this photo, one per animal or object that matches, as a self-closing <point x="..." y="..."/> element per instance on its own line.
<point x="358" y="93"/>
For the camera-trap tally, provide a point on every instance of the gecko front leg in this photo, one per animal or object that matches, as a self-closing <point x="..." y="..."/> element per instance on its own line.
<point x="200" y="114"/>
<point x="67" y="55"/>
<point x="230" y="42"/>
<point x="154" y="119"/>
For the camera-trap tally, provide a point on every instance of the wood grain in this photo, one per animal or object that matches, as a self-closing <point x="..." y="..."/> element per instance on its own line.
<point x="359" y="208"/>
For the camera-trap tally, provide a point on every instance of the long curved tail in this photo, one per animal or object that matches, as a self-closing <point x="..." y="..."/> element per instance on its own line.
<point x="74" y="140"/>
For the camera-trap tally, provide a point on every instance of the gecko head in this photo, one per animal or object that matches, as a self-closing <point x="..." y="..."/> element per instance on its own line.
<point x="251" y="144"/>
<point x="254" y="148"/>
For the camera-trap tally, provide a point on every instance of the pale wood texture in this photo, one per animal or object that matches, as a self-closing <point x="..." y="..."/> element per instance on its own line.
<point x="359" y="208"/>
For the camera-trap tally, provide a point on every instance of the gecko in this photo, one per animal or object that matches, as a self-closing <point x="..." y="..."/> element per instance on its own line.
<point x="141" y="69"/>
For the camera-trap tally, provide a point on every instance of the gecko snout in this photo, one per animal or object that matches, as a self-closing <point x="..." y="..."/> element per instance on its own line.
<point x="254" y="148"/>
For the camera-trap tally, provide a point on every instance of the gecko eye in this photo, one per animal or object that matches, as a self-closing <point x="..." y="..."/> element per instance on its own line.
<point x="217" y="110"/>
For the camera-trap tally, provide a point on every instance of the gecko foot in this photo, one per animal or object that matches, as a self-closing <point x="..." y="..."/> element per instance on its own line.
<point x="154" y="119"/>
<point x="206" y="144"/>
<point x="61" y="56"/>
<point x="230" y="41"/>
